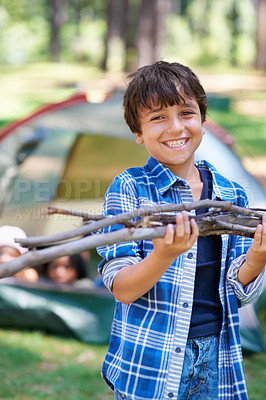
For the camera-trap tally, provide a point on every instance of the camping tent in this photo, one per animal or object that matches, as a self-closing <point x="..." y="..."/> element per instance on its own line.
<point x="63" y="155"/>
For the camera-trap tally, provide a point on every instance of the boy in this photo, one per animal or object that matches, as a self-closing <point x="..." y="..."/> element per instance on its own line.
<point x="176" y="320"/>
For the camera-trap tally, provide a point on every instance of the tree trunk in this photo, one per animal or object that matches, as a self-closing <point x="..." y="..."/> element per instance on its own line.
<point x="109" y="11"/>
<point x="234" y="25"/>
<point x="133" y="16"/>
<point x="151" y="31"/>
<point x="145" y="39"/>
<point x="261" y="36"/>
<point x="56" y="21"/>
<point x="116" y="16"/>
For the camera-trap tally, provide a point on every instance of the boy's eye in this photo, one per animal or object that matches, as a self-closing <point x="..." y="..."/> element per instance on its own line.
<point x="188" y="112"/>
<point x="157" y="118"/>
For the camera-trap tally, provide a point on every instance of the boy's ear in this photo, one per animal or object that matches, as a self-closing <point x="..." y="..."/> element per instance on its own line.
<point x="139" y="139"/>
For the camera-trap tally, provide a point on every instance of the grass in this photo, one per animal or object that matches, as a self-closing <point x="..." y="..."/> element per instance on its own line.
<point x="36" y="366"/>
<point x="24" y="88"/>
<point x="249" y="132"/>
<point x="255" y="370"/>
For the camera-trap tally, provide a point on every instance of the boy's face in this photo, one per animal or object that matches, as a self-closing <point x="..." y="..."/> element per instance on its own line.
<point x="172" y="134"/>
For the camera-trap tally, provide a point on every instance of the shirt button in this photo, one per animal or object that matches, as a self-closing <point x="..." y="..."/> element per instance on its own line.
<point x="185" y="305"/>
<point x="170" y="395"/>
<point x="178" y="350"/>
<point x="190" y="255"/>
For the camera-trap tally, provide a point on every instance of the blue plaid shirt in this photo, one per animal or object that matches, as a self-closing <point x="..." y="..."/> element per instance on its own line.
<point x="148" y="338"/>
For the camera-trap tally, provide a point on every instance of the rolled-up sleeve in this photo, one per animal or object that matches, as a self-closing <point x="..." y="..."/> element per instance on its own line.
<point x="252" y="291"/>
<point x="111" y="268"/>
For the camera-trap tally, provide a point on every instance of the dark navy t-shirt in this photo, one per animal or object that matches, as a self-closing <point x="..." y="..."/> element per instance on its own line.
<point x="206" y="316"/>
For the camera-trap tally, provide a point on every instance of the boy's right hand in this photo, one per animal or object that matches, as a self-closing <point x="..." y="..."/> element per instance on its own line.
<point x="177" y="241"/>
<point x="132" y="282"/>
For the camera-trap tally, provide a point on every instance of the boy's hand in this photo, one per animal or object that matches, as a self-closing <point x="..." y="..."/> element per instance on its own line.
<point x="256" y="256"/>
<point x="134" y="281"/>
<point x="176" y="242"/>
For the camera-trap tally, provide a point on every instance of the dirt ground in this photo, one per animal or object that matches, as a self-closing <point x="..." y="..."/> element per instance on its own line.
<point x="248" y="92"/>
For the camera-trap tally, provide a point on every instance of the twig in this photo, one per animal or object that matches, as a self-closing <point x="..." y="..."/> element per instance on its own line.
<point x="37" y="257"/>
<point x="125" y="217"/>
<point x="85" y="216"/>
<point x="223" y="218"/>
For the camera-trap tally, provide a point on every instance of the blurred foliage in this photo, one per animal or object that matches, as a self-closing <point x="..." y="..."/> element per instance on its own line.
<point x="248" y="131"/>
<point x="193" y="32"/>
<point x="195" y="36"/>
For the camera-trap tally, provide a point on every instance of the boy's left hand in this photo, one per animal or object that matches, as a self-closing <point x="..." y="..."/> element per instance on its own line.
<point x="255" y="257"/>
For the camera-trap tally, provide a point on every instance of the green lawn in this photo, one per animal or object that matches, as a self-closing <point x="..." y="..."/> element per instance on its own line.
<point x="36" y="366"/>
<point x="249" y="132"/>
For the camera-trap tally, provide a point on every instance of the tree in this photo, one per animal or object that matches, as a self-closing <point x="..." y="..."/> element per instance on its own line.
<point x="55" y="17"/>
<point x="260" y="62"/>
<point x="233" y="19"/>
<point x="151" y="30"/>
<point x="116" y="16"/>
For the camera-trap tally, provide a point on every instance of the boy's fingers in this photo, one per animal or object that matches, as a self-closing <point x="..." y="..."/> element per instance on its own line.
<point x="260" y="235"/>
<point x="264" y="227"/>
<point x="194" y="230"/>
<point x="180" y="229"/>
<point x="257" y="237"/>
<point x="185" y="228"/>
<point x="186" y="223"/>
<point x="194" y="227"/>
<point x="169" y="234"/>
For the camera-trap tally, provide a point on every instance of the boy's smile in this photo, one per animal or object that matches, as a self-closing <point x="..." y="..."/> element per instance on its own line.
<point x="172" y="134"/>
<point x="176" y="143"/>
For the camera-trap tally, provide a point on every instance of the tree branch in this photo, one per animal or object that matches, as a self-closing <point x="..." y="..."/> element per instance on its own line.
<point x="148" y="223"/>
<point x="140" y="212"/>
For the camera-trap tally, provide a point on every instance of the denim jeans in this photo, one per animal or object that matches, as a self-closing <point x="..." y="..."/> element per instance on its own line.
<point x="199" y="380"/>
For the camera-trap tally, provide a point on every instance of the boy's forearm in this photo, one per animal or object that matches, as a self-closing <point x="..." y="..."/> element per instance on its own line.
<point x="248" y="274"/>
<point x="255" y="257"/>
<point x="133" y="281"/>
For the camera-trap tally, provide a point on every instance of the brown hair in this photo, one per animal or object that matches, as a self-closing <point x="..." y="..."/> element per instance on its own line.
<point x="159" y="84"/>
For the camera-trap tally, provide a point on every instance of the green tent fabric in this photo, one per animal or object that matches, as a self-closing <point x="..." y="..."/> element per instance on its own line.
<point x="86" y="314"/>
<point x="252" y="335"/>
<point x="83" y="314"/>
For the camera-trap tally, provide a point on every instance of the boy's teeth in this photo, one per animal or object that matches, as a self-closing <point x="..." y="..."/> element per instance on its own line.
<point x="176" y="143"/>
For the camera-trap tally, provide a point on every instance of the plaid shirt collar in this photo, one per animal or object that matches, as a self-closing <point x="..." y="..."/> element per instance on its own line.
<point x="161" y="176"/>
<point x="164" y="178"/>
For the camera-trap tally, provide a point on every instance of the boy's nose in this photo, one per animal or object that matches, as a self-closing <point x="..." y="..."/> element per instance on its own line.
<point x="175" y="125"/>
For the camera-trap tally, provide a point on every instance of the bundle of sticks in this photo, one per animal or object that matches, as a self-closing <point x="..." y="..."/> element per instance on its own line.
<point x="223" y="217"/>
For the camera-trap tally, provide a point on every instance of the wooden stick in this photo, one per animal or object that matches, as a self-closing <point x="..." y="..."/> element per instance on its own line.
<point x="37" y="257"/>
<point x="125" y="217"/>
<point x="223" y="218"/>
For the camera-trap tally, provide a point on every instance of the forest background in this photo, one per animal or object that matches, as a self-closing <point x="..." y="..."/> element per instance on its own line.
<point x="120" y="35"/>
<point x="50" y="49"/>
